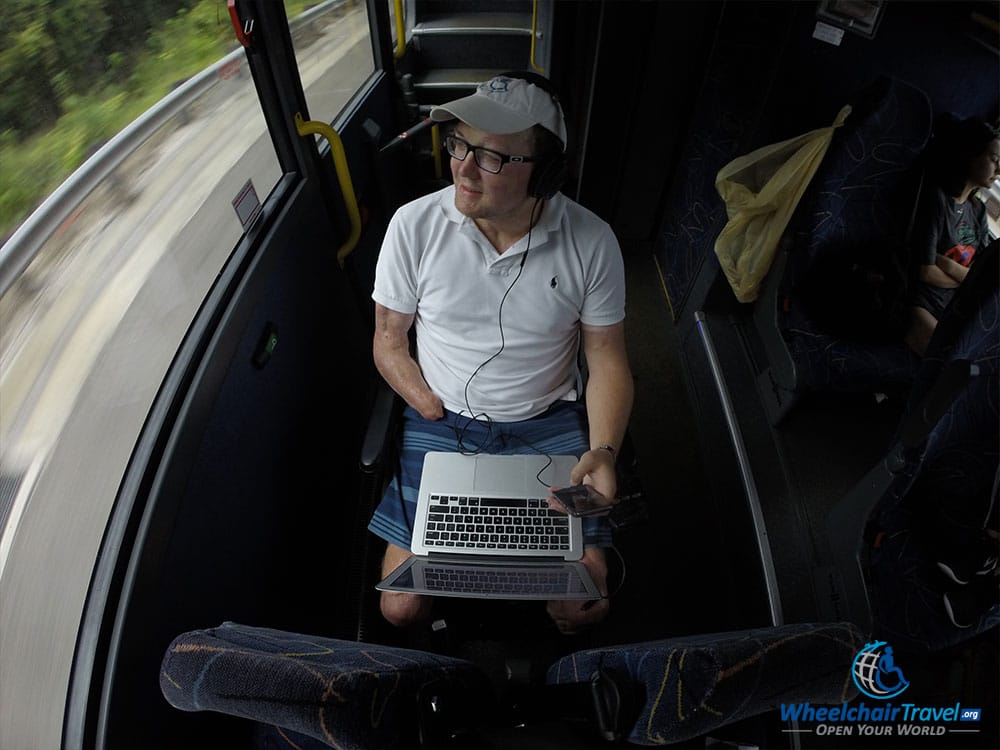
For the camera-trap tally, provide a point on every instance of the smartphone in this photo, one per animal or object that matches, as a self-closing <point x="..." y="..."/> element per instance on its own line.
<point x="582" y="500"/>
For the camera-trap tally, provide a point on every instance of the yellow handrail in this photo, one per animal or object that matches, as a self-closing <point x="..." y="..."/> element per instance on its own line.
<point x="436" y="149"/>
<point x="400" y="29"/>
<point x="315" y="127"/>
<point x="534" y="33"/>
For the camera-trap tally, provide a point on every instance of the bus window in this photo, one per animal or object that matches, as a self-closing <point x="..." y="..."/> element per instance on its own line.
<point x="117" y="213"/>
<point x="138" y="235"/>
<point x="333" y="51"/>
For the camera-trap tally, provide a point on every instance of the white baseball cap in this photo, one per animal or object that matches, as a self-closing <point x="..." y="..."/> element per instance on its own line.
<point x="506" y="105"/>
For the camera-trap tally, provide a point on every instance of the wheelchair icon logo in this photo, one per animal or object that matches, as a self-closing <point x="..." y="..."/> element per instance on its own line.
<point x="875" y="672"/>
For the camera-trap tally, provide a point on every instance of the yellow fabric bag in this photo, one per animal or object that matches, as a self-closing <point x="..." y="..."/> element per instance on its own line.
<point x="761" y="190"/>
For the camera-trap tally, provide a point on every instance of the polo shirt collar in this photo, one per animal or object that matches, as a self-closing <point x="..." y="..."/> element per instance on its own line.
<point x="549" y="223"/>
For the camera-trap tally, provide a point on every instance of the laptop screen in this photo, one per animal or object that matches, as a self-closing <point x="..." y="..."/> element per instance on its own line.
<point x="490" y="579"/>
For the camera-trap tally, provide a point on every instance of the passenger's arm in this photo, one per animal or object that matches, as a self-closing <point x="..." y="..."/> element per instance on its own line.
<point x="610" y="391"/>
<point x="935" y="276"/>
<point x="954" y="271"/>
<point x="391" y="350"/>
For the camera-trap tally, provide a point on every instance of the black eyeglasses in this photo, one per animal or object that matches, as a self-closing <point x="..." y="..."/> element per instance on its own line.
<point x="486" y="159"/>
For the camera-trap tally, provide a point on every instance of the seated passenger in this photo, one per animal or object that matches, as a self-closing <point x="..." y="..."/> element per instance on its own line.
<point x="950" y="225"/>
<point x="504" y="278"/>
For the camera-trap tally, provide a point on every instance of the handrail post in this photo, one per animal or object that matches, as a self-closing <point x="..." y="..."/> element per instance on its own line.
<point x="315" y="127"/>
<point x="534" y="35"/>
<point x="436" y="150"/>
<point x="400" y="29"/>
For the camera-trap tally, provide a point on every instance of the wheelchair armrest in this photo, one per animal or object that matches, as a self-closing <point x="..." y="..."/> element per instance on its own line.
<point x="376" y="446"/>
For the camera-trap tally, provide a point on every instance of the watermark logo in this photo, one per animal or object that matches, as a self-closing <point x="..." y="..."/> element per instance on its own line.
<point x="877" y="675"/>
<point x="875" y="672"/>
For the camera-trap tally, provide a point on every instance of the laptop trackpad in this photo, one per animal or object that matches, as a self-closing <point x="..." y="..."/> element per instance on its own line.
<point x="498" y="474"/>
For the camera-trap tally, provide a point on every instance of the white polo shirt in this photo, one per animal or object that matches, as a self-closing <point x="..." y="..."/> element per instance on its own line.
<point x="512" y="363"/>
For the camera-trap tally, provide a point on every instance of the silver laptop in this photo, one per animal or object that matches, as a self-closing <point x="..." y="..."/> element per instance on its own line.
<point x="483" y="529"/>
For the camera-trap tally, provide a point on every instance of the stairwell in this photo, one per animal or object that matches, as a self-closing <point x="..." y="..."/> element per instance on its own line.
<point x="453" y="45"/>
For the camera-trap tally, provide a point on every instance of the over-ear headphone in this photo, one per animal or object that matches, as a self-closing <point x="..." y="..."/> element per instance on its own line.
<point x="548" y="176"/>
<point x="550" y="172"/>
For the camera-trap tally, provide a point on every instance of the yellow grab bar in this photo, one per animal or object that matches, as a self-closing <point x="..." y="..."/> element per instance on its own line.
<point x="436" y="149"/>
<point x="315" y="127"/>
<point x="534" y="34"/>
<point x="400" y="29"/>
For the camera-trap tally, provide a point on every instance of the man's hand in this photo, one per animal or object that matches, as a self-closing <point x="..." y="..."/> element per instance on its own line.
<point x="572" y="615"/>
<point x="597" y="466"/>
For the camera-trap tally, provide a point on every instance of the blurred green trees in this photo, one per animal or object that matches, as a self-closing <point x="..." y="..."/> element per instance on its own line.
<point x="52" y="50"/>
<point x="75" y="72"/>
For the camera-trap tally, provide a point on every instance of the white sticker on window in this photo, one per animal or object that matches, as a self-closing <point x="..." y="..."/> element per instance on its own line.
<point x="247" y="205"/>
<point x="827" y="33"/>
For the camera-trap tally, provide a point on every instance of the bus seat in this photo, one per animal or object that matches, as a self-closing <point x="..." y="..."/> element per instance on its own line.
<point x="344" y="694"/>
<point x="692" y="685"/>
<point x="946" y="446"/>
<point x="320" y="692"/>
<point x="829" y="313"/>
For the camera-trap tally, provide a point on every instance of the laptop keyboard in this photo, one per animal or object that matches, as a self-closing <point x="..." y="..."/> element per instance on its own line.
<point x="495" y="523"/>
<point x="499" y="582"/>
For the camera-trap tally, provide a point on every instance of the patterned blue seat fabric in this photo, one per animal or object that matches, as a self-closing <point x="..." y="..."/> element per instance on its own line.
<point x="840" y="301"/>
<point x="946" y="485"/>
<point x="694" y="684"/>
<point x="319" y="692"/>
<point x="344" y="694"/>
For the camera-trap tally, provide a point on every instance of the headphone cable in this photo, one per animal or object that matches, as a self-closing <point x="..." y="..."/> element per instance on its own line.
<point x="473" y="417"/>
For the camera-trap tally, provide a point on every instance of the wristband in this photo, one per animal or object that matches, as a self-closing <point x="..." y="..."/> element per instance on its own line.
<point x="605" y="447"/>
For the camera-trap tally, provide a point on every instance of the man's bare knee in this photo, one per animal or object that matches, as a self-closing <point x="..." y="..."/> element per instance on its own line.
<point x="398" y="608"/>
<point x="403" y="610"/>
